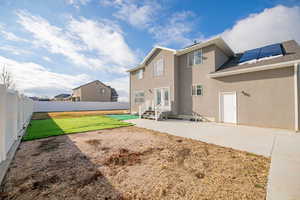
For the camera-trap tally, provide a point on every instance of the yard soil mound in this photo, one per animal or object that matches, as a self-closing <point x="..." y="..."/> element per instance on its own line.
<point x="132" y="163"/>
<point x="48" y="115"/>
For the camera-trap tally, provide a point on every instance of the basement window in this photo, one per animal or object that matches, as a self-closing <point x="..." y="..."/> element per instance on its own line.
<point x="197" y="90"/>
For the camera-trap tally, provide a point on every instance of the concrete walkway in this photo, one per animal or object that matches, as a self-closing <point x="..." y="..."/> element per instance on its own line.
<point x="282" y="146"/>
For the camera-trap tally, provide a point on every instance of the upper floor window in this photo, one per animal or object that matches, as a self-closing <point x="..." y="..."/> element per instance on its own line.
<point x="158" y="69"/>
<point x="140" y="74"/>
<point x="197" y="90"/>
<point x="194" y="58"/>
<point x="103" y="90"/>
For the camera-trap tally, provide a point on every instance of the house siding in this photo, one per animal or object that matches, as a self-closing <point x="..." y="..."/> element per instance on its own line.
<point x="92" y="92"/>
<point x="197" y="75"/>
<point x="149" y="81"/>
<point x="271" y="93"/>
<point x="264" y="98"/>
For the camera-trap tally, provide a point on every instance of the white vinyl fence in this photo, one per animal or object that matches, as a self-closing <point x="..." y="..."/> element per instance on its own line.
<point x="15" y="114"/>
<point x="60" y="106"/>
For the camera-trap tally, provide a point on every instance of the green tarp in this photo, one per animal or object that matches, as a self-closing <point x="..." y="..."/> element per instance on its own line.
<point x="123" y="117"/>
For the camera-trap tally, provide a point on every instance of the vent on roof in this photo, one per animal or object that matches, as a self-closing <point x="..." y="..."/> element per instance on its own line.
<point x="263" y="52"/>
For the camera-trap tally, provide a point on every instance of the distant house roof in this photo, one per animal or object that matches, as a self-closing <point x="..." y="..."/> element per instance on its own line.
<point x="90" y="83"/>
<point x="34" y="98"/>
<point x="62" y="96"/>
<point x="291" y="53"/>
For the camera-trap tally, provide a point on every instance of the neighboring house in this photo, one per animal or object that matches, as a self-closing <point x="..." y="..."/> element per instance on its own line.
<point x="34" y="98"/>
<point x="62" y="97"/>
<point x="258" y="87"/>
<point x="94" y="91"/>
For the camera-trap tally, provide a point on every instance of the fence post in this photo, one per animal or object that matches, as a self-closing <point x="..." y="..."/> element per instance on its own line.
<point x="2" y="122"/>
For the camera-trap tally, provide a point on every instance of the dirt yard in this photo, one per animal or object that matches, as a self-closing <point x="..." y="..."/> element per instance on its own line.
<point x="132" y="163"/>
<point x="48" y="115"/>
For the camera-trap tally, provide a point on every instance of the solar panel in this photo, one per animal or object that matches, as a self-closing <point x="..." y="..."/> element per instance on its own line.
<point x="266" y="51"/>
<point x="250" y="55"/>
<point x="270" y="50"/>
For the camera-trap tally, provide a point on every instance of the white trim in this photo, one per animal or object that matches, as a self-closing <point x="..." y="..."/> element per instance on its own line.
<point x="253" y="69"/>
<point x="165" y="48"/>
<point x="218" y="41"/>
<point x="296" y="71"/>
<point x="221" y="106"/>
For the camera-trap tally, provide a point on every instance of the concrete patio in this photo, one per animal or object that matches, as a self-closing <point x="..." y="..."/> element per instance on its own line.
<point x="282" y="146"/>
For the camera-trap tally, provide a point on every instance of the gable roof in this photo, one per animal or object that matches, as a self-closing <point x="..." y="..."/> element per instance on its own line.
<point x="218" y="41"/>
<point x="148" y="56"/>
<point x="89" y="84"/>
<point x="291" y="55"/>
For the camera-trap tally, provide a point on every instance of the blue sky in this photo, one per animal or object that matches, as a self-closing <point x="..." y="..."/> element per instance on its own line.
<point x="53" y="46"/>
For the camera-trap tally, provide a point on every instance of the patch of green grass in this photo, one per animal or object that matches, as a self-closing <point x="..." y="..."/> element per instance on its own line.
<point x="55" y="126"/>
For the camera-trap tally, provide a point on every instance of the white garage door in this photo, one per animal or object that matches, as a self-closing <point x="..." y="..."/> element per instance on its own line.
<point x="228" y="107"/>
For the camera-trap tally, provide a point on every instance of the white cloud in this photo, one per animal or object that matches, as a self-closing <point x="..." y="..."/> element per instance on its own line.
<point x="81" y="38"/>
<point x="166" y="29"/>
<point x="273" y="25"/>
<point x="106" y="40"/>
<point x="77" y="3"/>
<point x="34" y="79"/>
<point x="122" y="87"/>
<point x="47" y="58"/>
<point x="137" y="13"/>
<point x="175" y="30"/>
<point x="10" y="36"/>
<point x="14" y="50"/>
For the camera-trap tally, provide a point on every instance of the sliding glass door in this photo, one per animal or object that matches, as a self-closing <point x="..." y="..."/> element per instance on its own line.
<point x="162" y="97"/>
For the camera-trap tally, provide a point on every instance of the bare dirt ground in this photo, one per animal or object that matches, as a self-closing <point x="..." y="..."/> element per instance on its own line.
<point x="48" y="115"/>
<point x="132" y="163"/>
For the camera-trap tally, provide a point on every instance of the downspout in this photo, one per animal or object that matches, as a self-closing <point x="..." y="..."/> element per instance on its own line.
<point x="296" y="85"/>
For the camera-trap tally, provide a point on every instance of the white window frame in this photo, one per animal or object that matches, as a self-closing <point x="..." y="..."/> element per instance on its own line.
<point x="193" y="53"/>
<point x="140" y="74"/>
<point x="195" y="93"/>
<point x="102" y="90"/>
<point x="155" y="67"/>
<point x="168" y="107"/>
<point x="135" y="97"/>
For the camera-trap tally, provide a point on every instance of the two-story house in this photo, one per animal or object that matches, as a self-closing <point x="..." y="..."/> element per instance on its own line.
<point x="94" y="91"/>
<point x="258" y="87"/>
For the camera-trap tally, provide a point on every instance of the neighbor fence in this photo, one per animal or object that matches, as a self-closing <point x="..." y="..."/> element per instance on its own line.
<point x="60" y="106"/>
<point x="15" y="114"/>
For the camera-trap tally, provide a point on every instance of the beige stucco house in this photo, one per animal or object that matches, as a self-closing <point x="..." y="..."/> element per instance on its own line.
<point x="209" y="81"/>
<point x="94" y="91"/>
